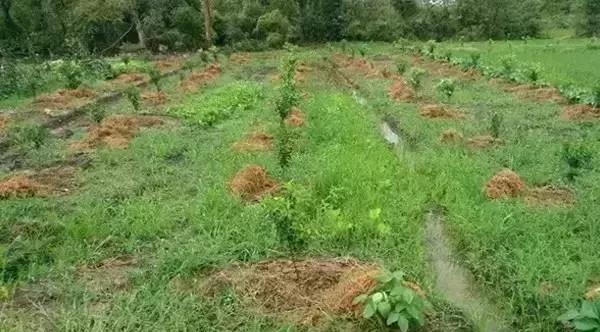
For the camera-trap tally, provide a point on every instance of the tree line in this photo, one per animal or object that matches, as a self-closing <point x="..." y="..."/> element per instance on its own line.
<point x="58" y="27"/>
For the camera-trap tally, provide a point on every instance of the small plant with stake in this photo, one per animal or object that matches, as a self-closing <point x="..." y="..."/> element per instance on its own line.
<point x="393" y="303"/>
<point x="289" y="96"/>
<point x="155" y="77"/>
<point x="415" y="78"/>
<point x="496" y="124"/>
<point x="446" y="87"/>
<point x="133" y="95"/>
<point x="577" y="156"/>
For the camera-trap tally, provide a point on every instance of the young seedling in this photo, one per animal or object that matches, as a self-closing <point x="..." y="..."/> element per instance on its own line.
<point x="496" y="124"/>
<point x="401" y="67"/>
<point x="415" y="78"/>
<point x="133" y="95"/>
<point x="97" y="113"/>
<point x="446" y="87"/>
<point x="155" y="77"/>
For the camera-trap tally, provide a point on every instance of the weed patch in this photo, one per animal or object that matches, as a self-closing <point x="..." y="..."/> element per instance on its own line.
<point x="440" y="112"/>
<point x="536" y="93"/>
<point x="257" y="141"/>
<point x="483" y="141"/>
<point x="240" y="58"/>
<point x="549" y="196"/>
<point x="116" y="131"/>
<point x="299" y="291"/>
<point x="253" y="183"/>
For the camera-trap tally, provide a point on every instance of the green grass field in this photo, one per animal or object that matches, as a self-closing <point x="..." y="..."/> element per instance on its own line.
<point x="130" y="245"/>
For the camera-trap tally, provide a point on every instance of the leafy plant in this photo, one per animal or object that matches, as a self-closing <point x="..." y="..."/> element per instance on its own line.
<point x="393" y="303"/>
<point x="286" y="213"/>
<point x="577" y="155"/>
<point x="586" y="318"/>
<point x="448" y="56"/>
<point x="155" y="77"/>
<point x="126" y="59"/>
<point x="508" y="65"/>
<point x="362" y="50"/>
<point x="430" y="48"/>
<point x="72" y="73"/>
<point x="133" y="95"/>
<point x="446" y="87"/>
<point x="415" y="78"/>
<point x="97" y="112"/>
<point x="284" y="146"/>
<point x="573" y="94"/>
<point x="496" y="124"/>
<point x="289" y="96"/>
<point x="532" y="73"/>
<point x="401" y="67"/>
<point x="474" y="60"/>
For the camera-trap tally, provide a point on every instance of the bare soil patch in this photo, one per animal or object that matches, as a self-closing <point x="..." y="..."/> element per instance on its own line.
<point x="253" y="183"/>
<point x="440" y="112"/>
<point x="65" y="99"/>
<point x="549" y="196"/>
<point x="581" y="112"/>
<point x="451" y="136"/>
<point x="400" y="91"/>
<point x="257" y="141"/>
<point x="443" y="68"/>
<point x="155" y="98"/>
<point x="116" y="131"/>
<point x="296" y="118"/>
<point x="361" y="66"/>
<point x="3" y="123"/>
<point x="47" y="182"/>
<point x="199" y="78"/>
<point x="109" y="275"/>
<point x="505" y="184"/>
<point x="299" y="291"/>
<point x="483" y="141"/>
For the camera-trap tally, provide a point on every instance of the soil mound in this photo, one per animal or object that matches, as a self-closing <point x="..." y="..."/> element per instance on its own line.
<point x="400" y="91"/>
<point x="196" y="79"/>
<point x="581" y="112"/>
<point x="451" y="136"/>
<point x="484" y="141"/>
<point x="296" y="118"/>
<point x="301" y="291"/>
<point x="3" y="123"/>
<point x="65" y="98"/>
<point x="116" y="131"/>
<point x="505" y="184"/>
<point x="155" y="98"/>
<point x="549" y="196"/>
<point x="253" y="183"/>
<point x="257" y="141"/>
<point x="47" y="182"/>
<point x="536" y="93"/>
<point x="440" y="112"/>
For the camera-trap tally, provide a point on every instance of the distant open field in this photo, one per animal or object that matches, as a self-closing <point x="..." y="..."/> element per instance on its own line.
<point x="562" y="61"/>
<point x="266" y="191"/>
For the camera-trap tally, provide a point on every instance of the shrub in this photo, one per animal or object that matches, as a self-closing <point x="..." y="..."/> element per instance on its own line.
<point x="401" y="67"/>
<point x="28" y="134"/>
<point x="394" y="304"/>
<point x="275" y="40"/>
<point x="507" y="64"/>
<point x="98" y="68"/>
<point x="577" y="155"/>
<point x="155" y="77"/>
<point x="573" y="94"/>
<point x="289" y="96"/>
<point x="446" y="87"/>
<point x="586" y="318"/>
<point x="97" y="112"/>
<point x="532" y="73"/>
<point x="496" y="124"/>
<point x="287" y="214"/>
<point x="72" y="73"/>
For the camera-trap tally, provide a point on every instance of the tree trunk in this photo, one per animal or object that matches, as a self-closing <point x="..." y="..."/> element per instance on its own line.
<point x="139" y="29"/>
<point x="208" y="21"/>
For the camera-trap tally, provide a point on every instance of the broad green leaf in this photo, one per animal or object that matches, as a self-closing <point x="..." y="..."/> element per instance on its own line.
<point x="369" y="311"/>
<point x="399" y="307"/>
<point x="416" y="314"/>
<point x="375" y="214"/>
<point x="377" y="297"/>
<point x="569" y="315"/>
<point x="384" y="308"/>
<point x="384" y="277"/>
<point x="403" y="323"/>
<point x="588" y="310"/>
<point x="360" y="299"/>
<point x="392" y="318"/>
<point x="408" y="296"/>
<point x="586" y="324"/>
